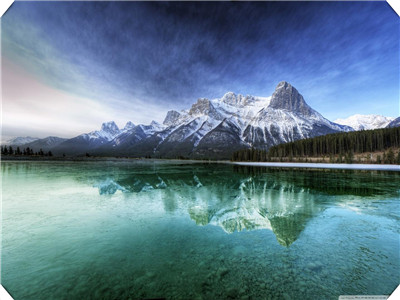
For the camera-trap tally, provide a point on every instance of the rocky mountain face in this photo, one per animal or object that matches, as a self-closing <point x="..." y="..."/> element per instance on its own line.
<point x="286" y="97"/>
<point x="211" y="128"/>
<point x="171" y="118"/>
<point x="365" y="122"/>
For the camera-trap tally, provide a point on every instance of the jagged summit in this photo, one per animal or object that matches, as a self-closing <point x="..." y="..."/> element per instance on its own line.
<point x="288" y="98"/>
<point x="129" y="125"/>
<point x="110" y="127"/>
<point x="283" y="84"/>
<point x="171" y="117"/>
<point x="237" y="100"/>
<point x="230" y="98"/>
<point x="154" y="123"/>
<point x="202" y="106"/>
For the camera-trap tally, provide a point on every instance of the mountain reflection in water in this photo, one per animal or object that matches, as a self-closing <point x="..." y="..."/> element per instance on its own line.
<point x="150" y="229"/>
<point x="251" y="198"/>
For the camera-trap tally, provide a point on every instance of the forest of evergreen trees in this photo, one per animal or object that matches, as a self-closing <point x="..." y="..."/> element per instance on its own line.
<point x="26" y="151"/>
<point x="338" y="147"/>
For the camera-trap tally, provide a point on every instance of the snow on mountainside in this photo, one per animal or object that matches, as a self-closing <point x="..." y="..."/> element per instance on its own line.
<point x="108" y="137"/>
<point x="45" y="144"/>
<point x="152" y="128"/>
<point x="365" y="122"/>
<point x="18" y="141"/>
<point x="394" y="123"/>
<point x="89" y="141"/>
<point x="108" y="132"/>
<point x="129" y="125"/>
<point x="215" y="128"/>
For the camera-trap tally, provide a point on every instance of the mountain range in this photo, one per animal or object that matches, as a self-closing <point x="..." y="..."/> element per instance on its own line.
<point x="213" y="128"/>
<point x="365" y="122"/>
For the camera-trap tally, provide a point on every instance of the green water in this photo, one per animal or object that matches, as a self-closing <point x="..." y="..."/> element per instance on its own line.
<point x="120" y="230"/>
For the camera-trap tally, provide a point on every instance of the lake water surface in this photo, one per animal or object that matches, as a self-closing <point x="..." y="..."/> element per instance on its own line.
<point x="120" y="230"/>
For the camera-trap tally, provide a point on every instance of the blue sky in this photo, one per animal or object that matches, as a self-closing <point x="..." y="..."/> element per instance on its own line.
<point x="70" y="66"/>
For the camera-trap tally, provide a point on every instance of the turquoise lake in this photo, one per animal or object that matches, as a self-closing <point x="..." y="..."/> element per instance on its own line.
<point x="181" y="230"/>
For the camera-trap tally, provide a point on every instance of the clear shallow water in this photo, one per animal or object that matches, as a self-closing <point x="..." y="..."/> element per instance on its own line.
<point x="118" y="230"/>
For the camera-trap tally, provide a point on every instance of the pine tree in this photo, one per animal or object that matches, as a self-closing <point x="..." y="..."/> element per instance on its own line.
<point x="349" y="157"/>
<point x="390" y="157"/>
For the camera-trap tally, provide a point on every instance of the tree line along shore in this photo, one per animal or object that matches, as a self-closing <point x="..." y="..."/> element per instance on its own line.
<point x="380" y="146"/>
<point x="9" y="150"/>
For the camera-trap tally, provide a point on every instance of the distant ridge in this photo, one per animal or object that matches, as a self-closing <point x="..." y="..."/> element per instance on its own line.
<point x="365" y="122"/>
<point x="21" y="140"/>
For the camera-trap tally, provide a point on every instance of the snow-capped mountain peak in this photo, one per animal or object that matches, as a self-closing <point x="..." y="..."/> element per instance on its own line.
<point x="129" y="125"/>
<point x="202" y="106"/>
<point x="109" y="130"/>
<point x="365" y="122"/>
<point x="230" y="98"/>
<point x="171" y="118"/>
<point x="288" y="98"/>
<point x="155" y="124"/>
<point x="238" y="100"/>
<point x="149" y="130"/>
<point x="110" y="127"/>
<point x="21" y="140"/>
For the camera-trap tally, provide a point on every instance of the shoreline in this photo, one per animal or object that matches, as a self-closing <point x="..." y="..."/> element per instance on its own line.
<point x="355" y="166"/>
<point x="372" y="167"/>
<point x="102" y="158"/>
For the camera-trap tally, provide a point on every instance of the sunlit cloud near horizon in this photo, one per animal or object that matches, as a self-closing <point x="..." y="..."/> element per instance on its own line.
<point x="68" y="67"/>
<point x="41" y="110"/>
